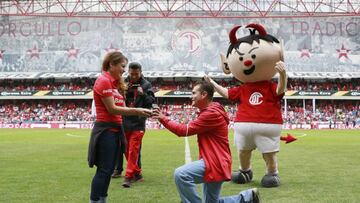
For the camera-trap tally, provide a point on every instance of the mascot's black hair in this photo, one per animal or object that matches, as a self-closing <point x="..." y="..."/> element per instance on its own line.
<point x="235" y="43"/>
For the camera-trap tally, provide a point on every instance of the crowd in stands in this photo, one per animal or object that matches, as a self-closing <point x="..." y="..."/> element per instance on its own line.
<point x="78" y="84"/>
<point x="324" y="84"/>
<point x="347" y="112"/>
<point x="183" y="113"/>
<point x="187" y="84"/>
<point x="85" y="84"/>
<point x="42" y="111"/>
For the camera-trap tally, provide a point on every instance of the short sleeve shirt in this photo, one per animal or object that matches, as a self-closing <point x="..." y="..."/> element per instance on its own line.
<point x="106" y="86"/>
<point x="257" y="102"/>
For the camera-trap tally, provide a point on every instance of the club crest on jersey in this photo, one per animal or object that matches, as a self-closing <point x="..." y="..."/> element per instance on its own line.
<point x="256" y="98"/>
<point x="107" y="91"/>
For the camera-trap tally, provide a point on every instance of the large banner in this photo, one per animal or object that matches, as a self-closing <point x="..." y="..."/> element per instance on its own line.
<point x="44" y="94"/>
<point x="46" y="44"/>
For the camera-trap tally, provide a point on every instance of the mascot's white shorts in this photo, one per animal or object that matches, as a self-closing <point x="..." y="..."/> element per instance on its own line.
<point x="264" y="136"/>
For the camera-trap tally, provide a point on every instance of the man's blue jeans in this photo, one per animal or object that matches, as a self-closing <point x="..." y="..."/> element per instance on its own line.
<point x="188" y="175"/>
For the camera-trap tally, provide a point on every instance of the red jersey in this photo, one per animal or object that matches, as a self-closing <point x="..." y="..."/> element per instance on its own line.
<point x="211" y="127"/>
<point x="106" y="86"/>
<point x="257" y="102"/>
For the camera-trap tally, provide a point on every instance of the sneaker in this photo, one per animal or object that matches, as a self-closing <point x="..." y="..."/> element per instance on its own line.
<point x="116" y="174"/>
<point x="127" y="182"/>
<point x="255" y="195"/>
<point x="137" y="178"/>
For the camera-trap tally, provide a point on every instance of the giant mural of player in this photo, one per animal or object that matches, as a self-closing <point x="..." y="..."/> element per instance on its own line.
<point x="254" y="60"/>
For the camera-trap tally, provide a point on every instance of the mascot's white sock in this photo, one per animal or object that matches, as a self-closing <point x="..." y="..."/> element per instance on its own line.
<point x="245" y="157"/>
<point x="271" y="163"/>
<point x="271" y="179"/>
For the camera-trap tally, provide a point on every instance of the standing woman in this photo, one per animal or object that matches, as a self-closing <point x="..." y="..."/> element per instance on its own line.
<point x="107" y="136"/>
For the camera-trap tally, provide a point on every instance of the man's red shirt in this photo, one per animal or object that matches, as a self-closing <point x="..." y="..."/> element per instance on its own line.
<point x="211" y="126"/>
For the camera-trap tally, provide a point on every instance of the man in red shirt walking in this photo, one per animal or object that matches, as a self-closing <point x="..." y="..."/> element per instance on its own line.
<point x="214" y="164"/>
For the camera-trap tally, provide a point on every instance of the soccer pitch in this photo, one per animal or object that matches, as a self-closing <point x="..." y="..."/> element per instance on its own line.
<point x="50" y="165"/>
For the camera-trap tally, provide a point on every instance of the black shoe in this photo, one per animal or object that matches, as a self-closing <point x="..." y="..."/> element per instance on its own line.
<point x="137" y="178"/>
<point x="255" y="195"/>
<point x="270" y="181"/>
<point x="241" y="177"/>
<point x="127" y="182"/>
<point x="116" y="174"/>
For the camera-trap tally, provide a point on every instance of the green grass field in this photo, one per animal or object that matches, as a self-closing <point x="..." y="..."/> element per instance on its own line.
<point x="41" y="165"/>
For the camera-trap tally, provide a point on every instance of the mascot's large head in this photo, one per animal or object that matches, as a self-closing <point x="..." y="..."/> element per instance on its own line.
<point x="252" y="58"/>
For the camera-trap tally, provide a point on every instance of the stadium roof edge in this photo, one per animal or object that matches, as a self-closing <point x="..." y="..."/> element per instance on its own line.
<point x="180" y="9"/>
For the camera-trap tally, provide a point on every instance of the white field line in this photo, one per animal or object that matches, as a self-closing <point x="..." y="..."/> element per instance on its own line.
<point x="187" y="151"/>
<point x="303" y="135"/>
<point x="299" y="134"/>
<point x="72" y="135"/>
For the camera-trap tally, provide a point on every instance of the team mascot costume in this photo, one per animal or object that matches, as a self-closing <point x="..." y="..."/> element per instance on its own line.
<point x="254" y="60"/>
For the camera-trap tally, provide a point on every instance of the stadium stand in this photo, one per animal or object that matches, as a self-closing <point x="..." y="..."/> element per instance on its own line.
<point x="43" y="111"/>
<point x="82" y="84"/>
<point x="85" y="84"/>
<point x="48" y="64"/>
<point x="65" y="109"/>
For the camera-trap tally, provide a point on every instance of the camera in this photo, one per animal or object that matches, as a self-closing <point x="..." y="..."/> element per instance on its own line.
<point x="135" y="86"/>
